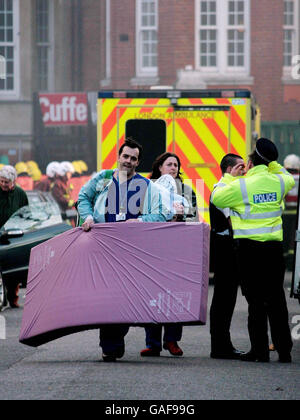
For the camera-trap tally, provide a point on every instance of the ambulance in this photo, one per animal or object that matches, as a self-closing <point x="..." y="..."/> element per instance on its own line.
<point x="200" y="126"/>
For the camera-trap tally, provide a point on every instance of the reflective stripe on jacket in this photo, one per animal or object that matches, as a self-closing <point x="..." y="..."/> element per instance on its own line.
<point x="255" y="202"/>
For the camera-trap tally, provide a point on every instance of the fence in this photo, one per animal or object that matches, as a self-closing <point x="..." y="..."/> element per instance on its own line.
<point x="285" y="134"/>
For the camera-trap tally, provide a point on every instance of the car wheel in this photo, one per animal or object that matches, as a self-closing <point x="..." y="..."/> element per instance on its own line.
<point x="3" y="301"/>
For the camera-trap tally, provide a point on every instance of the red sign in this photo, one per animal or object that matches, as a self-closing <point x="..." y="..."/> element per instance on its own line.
<point x="64" y="108"/>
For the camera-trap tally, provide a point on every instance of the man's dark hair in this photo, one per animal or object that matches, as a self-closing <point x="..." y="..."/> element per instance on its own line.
<point x="130" y="142"/>
<point x="228" y="160"/>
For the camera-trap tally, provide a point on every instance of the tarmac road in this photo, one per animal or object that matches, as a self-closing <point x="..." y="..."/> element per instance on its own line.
<point x="71" y="368"/>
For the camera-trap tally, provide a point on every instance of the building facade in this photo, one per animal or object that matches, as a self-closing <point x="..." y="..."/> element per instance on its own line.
<point x="89" y="45"/>
<point x="205" y="43"/>
<point x="35" y="48"/>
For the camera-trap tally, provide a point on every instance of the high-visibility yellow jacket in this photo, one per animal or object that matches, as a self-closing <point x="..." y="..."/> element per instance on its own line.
<point x="255" y="201"/>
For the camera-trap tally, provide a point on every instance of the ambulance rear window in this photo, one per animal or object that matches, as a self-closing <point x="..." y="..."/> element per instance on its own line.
<point x="151" y="134"/>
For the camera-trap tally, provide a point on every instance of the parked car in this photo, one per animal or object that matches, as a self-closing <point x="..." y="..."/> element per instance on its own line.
<point x="29" y="226"/>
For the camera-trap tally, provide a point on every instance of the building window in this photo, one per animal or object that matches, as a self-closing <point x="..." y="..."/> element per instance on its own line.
<point x="147" y="26"/>
<point x="290" y="31"/>
<point x="9" y="46"/>
<point x="44" y="39"/>
<point x="236" y="34"/>
<point x="222" y="36"/>
<point x="208" y="34"/>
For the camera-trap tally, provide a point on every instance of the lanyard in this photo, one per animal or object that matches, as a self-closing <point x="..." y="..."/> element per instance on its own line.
<point x="122" y="207"/>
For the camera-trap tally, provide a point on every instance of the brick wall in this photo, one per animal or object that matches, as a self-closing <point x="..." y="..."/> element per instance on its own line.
<point x="267" y="63"/>
<point x="267" y="55"/>
<point x="93" y="43"/>
<point x="176" y="49"/>
<point x="176" y="38"/>
<point x="122" y="43"/>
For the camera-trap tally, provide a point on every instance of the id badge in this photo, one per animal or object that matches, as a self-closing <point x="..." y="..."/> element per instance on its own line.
<point x="121" y="217"/>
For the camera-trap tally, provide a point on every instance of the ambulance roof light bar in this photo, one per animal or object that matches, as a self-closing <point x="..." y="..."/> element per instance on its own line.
<point x="175" y="94"/>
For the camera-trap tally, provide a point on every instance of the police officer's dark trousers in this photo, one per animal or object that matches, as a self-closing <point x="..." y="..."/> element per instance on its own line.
<point x="262" y="271"/>
<point x="225" y="293"/>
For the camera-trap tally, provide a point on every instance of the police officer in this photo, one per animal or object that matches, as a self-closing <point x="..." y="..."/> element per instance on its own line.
<point x="255" y="203"/>
<point x="226" y="279"/>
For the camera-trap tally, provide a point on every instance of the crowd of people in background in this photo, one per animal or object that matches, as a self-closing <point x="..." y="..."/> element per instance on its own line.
<point x="63" y="179"/>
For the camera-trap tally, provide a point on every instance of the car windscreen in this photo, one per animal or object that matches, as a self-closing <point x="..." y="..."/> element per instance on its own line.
<point x="35" y="216"/>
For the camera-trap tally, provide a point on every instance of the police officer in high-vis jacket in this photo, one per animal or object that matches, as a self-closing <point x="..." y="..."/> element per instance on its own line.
<point x="224" y="264"/>
<point x="256" y="203"/>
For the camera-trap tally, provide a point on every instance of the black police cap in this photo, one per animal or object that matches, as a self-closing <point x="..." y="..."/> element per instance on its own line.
<point x="266" y="150"/>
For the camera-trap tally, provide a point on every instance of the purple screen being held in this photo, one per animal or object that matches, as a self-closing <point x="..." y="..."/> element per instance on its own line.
<point x="117" y="273"/>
